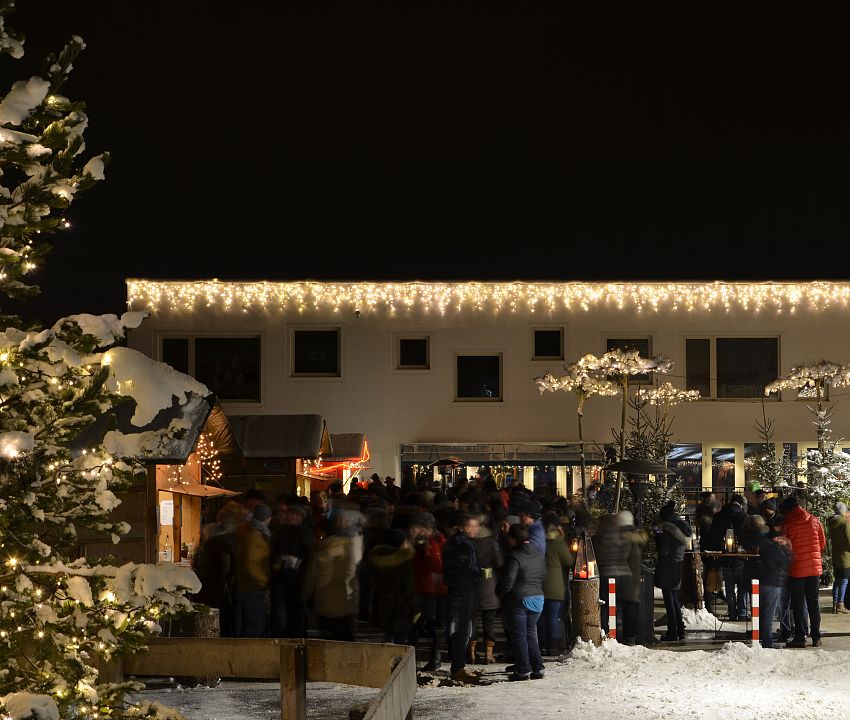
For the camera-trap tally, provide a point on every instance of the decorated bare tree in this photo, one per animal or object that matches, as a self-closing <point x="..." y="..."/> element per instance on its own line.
<point x="620" y="366"/>
<point x="583" y="383"/>
<point x="59" y="612"/>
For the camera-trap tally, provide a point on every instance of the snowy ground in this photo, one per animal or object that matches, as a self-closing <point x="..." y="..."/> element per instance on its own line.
<point x="606" y="683"/>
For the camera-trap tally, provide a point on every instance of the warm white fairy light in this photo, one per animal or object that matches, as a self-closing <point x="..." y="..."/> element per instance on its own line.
<point x="666" y="394"/>
<point x="480" y="296"/>
<point x="808" y="375"/>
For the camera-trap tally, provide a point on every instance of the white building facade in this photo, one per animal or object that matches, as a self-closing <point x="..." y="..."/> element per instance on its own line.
<point x="433" y="369"/>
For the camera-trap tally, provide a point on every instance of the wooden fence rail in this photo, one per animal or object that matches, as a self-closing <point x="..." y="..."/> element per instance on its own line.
<point x="294" y="663"/>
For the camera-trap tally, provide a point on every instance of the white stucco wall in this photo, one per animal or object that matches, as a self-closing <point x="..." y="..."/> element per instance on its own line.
<point x="394" y="407"/>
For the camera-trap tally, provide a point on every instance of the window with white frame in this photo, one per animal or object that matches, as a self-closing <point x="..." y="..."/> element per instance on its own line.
<point x="478" y="377"/>
<point x="731" y="368"/>
<point x="230" y="366"/>
<point x="413" y="352"/>
<point x="316" y="352"/>
<point x="547" y="343"/>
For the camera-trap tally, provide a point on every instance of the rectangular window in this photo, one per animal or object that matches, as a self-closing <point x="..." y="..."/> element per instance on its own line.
<point x="731" y="368"/>
<point x="642" y="345"/>
<point x="175" y="352"/>
<point x="316" y="352"/>
<point x="548" y="344"/>
<point x="698" y="365"/>
<point x="479" y="377"/>
<point x="413" y="353"/>
<point x="745" y="366"/>
<point x="229" y="366"/>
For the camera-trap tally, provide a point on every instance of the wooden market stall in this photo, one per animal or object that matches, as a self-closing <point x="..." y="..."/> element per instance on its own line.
<point x="275" y="453"/>
<point x="349" y="454"/>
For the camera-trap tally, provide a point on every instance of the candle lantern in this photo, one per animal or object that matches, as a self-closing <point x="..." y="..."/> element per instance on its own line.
<point x="586" y="567"/>
<point x="730" y="541"/>
<point x="574" y="546"/>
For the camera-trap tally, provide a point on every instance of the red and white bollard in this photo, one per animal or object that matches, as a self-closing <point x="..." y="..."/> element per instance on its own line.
<point x="612" y="608"/>
<point x="756" y="614"/>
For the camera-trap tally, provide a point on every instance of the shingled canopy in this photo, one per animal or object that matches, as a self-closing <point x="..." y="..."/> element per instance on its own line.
<point x="281" y="436"/>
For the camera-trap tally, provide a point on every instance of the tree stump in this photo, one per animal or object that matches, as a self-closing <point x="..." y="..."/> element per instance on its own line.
<point x="204" y="622"/>
<point x="585" y="606"/>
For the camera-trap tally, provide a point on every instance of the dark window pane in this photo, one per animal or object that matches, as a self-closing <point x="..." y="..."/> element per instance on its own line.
<point x="175" y="352"/>
<point x="698" y="365"/>
<point x="230" y="367"/>
<point x="631" y="344"/>
<point x="479" y="376"/>
<point x="548" y="344"/>
<point x="413" y="353"/>
<point x="316" y="352"/>
<point x="745" y="366"/>
<point x="723" y="472"/>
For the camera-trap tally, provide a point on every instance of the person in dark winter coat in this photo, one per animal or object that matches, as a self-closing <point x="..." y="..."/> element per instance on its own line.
<point x="520" y="589"/>
<point x="291" y="543"/>
<point x="732" y="517"/>
<point x="808" y="541"/>
<point x="612" y="557"/>
<point x="672" y="541"/>
<point x="839" y="536"/>
<point x="559" y="560"/>
<point x="396" y="600"/>
<point x="487" y="604"/>
<point x="462" y="574"/>
<point x="214" y="565"/>
<point x="770" y="568"/>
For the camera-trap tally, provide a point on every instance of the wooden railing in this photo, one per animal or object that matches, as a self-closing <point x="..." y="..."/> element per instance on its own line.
<point x="392" y="668"/>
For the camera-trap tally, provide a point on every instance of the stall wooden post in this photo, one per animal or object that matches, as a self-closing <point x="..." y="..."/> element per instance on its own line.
<point x="293" y="681"/>
<point x="585" y="606"/>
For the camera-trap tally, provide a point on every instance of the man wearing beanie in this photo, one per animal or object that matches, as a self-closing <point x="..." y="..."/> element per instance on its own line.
<point x="839" y="536"/>
<point x="808" y="541"/>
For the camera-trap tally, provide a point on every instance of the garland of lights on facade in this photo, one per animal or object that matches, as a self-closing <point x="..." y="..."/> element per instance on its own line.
<point x="779" y="297"/>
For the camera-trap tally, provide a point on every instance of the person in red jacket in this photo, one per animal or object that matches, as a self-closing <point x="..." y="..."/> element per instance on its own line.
<point x="427" y="574"/>
<point x="807" y="541"/>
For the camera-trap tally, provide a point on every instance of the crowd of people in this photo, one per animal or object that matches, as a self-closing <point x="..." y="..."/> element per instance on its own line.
<point x="436" y="567"/>
<point x="783" y="547"/>
<point x="419" y="562"/>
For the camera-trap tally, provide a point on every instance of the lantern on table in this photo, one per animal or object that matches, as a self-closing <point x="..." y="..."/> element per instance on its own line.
<point x="586" y="567"/>
<point x="729" y="544"/>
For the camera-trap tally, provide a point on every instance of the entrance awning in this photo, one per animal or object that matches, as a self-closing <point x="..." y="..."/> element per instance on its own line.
<point x="196" y="489"/>
<point x="281" y="436"/>
<point x="502" y="453"/>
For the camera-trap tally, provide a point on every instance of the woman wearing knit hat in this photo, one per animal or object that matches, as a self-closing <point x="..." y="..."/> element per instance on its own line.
<point x="839" y="535"/>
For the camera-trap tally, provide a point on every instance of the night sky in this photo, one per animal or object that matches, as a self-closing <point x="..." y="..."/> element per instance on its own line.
<point x="449" y="141"/>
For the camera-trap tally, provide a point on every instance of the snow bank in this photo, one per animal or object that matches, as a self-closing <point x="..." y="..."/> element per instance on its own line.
<point x="150" y="383"/>
<point x="699" y="619"/>
<point x="24" y="706"/>
<point x="604" y="683"/>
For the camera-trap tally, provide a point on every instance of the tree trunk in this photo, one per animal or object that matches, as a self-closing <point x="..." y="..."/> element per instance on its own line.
<point x="625" y="382"/>
<point x="581" y="452"/>
<point x="202" y="623"/>
<point x="585" y="610"/>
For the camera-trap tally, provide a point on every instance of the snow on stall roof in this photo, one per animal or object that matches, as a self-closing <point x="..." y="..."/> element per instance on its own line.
<point x="150" y="383"/>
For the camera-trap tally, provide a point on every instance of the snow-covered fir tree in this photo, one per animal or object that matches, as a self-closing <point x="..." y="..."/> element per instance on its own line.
<point x="60" y="614"/>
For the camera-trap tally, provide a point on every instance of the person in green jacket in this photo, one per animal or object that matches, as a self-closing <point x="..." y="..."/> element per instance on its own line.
<point x="839" y="536"/>
<point x="559" y="560"/>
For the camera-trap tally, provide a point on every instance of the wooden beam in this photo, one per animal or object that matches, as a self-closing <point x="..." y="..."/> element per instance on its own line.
<point x="364" y="664"/>
<point x="293" y="681"/>
<point x="395" y="701"/>
<point x="257" y="658"/>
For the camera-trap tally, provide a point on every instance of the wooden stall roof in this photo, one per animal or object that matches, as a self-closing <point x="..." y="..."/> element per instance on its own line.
<point x="281" y="436"/>
<point x="346" y="446"/>
<point x="504" y="453"/>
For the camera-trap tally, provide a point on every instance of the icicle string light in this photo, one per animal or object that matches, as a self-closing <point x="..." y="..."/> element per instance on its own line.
<point x="179" y="296"/>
